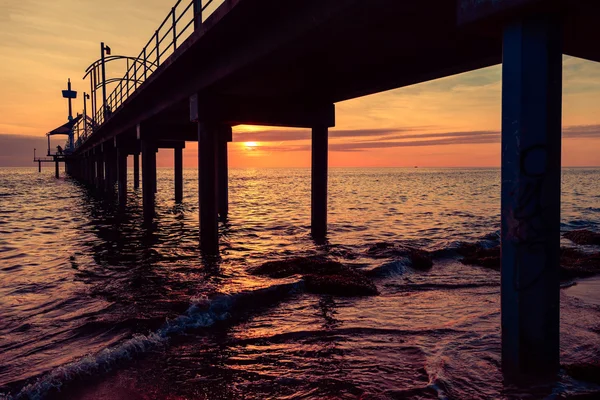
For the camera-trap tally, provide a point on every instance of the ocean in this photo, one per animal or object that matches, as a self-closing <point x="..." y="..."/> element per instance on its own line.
<point x="94" y="304"/>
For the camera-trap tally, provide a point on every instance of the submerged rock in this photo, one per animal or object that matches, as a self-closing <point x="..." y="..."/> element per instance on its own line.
<point x="420" y="259"/>
<point x="585" y="372"/>
<point x="474" y="254"/>
<point x="321" y="276"/>
<point x="577" y="264"/>
<point x="583" y="237"/>
<point x="573" y="263"/>
<point x="298" y="266"/>
<point x="352" y="283"/>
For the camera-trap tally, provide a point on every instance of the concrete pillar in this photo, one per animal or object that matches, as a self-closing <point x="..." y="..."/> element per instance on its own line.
<point x="122" y="175"/>
<point x="207" y="185"/>
<point x="318" y="197"/>
<point x="531" y="174"/>
<point x="178" y="174"/>
<point x="223" y="172"/>
<point x="136" y="170"/>
<point x="155" y="171"/>
<point x="107" y="161"/>
<point x="100" y="172"/>
<point x="148" y="178"/>
<point x="56" y="168"/>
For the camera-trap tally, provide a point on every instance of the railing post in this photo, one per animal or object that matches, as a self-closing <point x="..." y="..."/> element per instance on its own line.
<point x="157" y="50"/>
<point x="197" y="14"/>
<point x="145" y="65"/>
<point x="174" y="30"/>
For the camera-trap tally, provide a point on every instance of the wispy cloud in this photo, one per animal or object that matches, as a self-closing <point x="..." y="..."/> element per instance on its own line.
<point x="391" y="139"/>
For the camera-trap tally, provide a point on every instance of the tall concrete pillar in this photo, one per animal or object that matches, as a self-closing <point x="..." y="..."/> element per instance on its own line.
<point x="122" y="175"/>
<point x="223" y="172"/>
<point x="531" y="174"/>
<point x="207" y="185"/>
<point x="108" y="173"/>
<point x="136" y="170"/>
<point x="155" y="171"/>
<point x="178" y="161"/>
<point x="148" y="178"/>
<point x="100" y="172"/>
<point x="319" y="183"/>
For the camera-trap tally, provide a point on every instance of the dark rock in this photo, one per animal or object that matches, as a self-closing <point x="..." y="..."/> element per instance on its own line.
<point x="420" y="259"/>
<point x="583" y="237"/>
<point x="573" y="263"/>
<point x="577" y="264"/>
<point x="476" y="255"/>
<point x="298" y="266"/>
<point x="352" y="283"/>
<point x="585" y="372"/>
<point x="321" y="276"/>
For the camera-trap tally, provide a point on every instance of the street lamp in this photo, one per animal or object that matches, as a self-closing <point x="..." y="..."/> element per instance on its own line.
<point x="104" y="50"/>
<point x="85" y="98"/>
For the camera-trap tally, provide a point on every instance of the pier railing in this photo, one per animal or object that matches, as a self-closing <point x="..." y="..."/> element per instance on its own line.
<point x="177" y="26"/>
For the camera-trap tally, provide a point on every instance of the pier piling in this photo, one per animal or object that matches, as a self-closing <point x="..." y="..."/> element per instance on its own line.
<point x="207" y="184"/>
<point x="319" y="183"/>
<point x="531" y="165"/>
<point x="148" y="178"/>
<point x="100" y="172"/>
<point x="136" y="170"/>
<point x="178" y="161"/>
<point x="223" y="172"/>
<point x="122" y="175"/>
<point x="56" y="175"/>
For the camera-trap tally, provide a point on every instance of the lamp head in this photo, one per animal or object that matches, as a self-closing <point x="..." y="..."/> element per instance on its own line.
<point x="107" y="50"/>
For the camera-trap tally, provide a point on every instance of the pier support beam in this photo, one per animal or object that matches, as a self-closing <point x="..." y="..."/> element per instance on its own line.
<point x="56" y="175"/>
<point x="122" y="176"/>
<point x="178" y="160"/>
<point x="39" y="166"/>
<point x="100" y="172"/>
<point x="148" y="178"/>
<point x="318" y="196"/>
<point x="208" y="134"/>
<point x="223" y="172"/>
<point x="108" y="161"/>
<point x="531" y="173"/>
<point x="136" y="170"/>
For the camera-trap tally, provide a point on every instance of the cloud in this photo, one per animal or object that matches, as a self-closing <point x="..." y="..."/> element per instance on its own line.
<point x="17" y="150"/>
<point x="399" y="140"/>
<point x="282" y="135"/>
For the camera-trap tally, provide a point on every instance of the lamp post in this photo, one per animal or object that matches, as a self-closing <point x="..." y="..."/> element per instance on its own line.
<point x="104" y="50"/>
<point x="85" y="98"/>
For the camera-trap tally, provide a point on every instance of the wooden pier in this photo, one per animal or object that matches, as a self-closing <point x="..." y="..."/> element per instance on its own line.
<point x="269" y="62"/>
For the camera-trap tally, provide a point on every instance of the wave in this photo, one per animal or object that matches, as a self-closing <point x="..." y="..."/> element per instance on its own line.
<point x="202" y="313"/>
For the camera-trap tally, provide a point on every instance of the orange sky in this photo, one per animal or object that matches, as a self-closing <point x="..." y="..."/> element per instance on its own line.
<point x="448" y="122"/>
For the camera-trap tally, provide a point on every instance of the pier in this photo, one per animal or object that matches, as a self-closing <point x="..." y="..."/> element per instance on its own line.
<point x="274" y="63"/>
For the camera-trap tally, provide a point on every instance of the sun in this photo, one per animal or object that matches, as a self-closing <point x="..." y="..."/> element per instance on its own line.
<point x="250" y="145"/>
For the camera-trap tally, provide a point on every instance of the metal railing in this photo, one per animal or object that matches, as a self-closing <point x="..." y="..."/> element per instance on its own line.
<point x="177" y="26"/>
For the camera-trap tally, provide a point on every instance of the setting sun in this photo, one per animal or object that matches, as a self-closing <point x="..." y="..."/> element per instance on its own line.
<point x="250" y="145"/>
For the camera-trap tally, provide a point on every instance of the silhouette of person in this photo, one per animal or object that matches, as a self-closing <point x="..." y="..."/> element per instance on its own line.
<point x="59" y="150"/>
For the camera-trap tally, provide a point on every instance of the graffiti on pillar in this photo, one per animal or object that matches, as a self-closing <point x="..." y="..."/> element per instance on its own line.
<point x="526" y="223"/>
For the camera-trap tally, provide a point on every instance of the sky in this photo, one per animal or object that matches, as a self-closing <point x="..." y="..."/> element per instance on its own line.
<point x="454" y="121"/>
